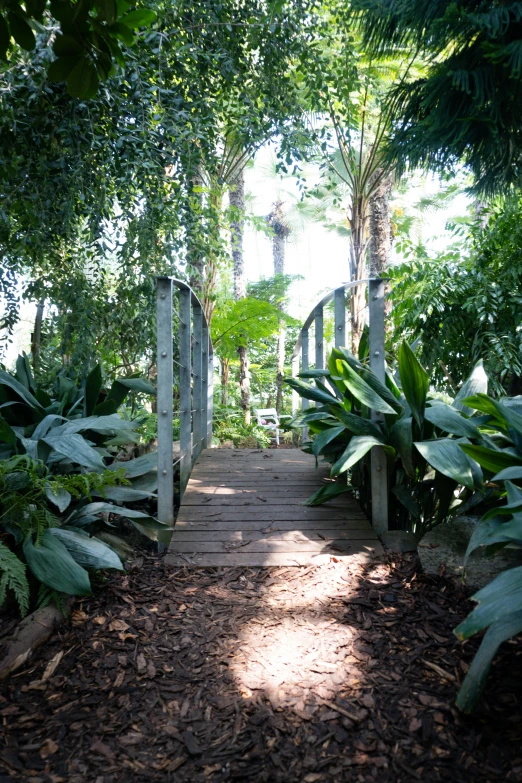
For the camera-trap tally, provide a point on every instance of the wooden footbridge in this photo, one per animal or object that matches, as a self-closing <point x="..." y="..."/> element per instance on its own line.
<point x="246" y="507"/>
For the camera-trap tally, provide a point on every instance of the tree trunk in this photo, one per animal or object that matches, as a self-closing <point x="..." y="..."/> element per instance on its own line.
<point x="225" y="374"/>
<point x="277" y="222"/>
<point x="380" y="232"/>
<point x="195" y="261"/>
<point x="211" y="267"/>
<point x="359" y="219"/>
<point x="237" y="200"/>
<point x="36" y="337"/>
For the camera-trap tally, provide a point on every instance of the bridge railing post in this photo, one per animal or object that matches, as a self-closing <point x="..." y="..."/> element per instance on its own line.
<point x="198" y="381"/>
<point x="165" y="380"/>
<point x="379" y="467"/>
<point x="185" y="388"/>
<point x="340" y="317"/>
<point x="319" y="338"/>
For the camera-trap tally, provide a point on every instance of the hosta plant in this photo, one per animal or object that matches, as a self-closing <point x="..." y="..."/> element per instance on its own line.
<point x="429" y="476"/>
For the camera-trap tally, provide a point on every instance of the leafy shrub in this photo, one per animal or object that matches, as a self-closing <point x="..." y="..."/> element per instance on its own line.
<point x="499" y="604"/>
<point x="58" y="456"/>
<point x="229" y="424"/>
<point x="429" y="477"/>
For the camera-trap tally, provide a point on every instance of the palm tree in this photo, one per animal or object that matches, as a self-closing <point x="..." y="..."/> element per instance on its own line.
<point x="281" y="231"/>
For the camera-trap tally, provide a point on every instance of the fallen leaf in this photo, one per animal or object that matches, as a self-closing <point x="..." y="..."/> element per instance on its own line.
<point x="100" y="620"/>
<point x="52" y="666"/>
<point x="118" y="625"/>
<point x="48" y="748"/>
<point x="141" y="663"/>
<point x="78" y="617"/>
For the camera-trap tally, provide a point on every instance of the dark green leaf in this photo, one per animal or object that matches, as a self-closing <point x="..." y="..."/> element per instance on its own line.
<point x="82" y="81"/>
<point x="401" y="438"/>
<point x="356" y="424"/>
<point x="76" y="448"/>
<point x="4" y="38"/>
<point x="321" y="440"/>
<point x="310" y="392"/>
<point x="52" y="565"/>
<point x="141" y="17"/>
<point x="356" y="449"/>
<point x="475" y="680"/>
<point x="496" y="601"/>
<point x="21" y="31"/>
<point x="490" y="459"/>
<point x="93" y="386"/>
<point x="361" y="390"/>
<point x="86" y="551"/>
<point x="447" y="419"/>
<point x="446" y="456"/>
<point x="414" y="382"/>
<point x="327" y="493"/>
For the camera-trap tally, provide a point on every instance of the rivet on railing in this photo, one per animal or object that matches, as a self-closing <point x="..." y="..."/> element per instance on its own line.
<point x="163" y="413"/>
<point x="164" y="472"/>
<point x="164" y="354"/>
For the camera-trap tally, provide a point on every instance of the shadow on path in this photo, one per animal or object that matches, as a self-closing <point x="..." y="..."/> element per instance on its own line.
<point x="341" y="672"/>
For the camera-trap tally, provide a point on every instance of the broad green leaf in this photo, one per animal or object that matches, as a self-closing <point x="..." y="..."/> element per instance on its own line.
<point x="490" y="459"/>
<point x="60" y="69"/>
<point x="139" y="466"/>
<point x="82" y="81"/>
<point x="361" y="390"/>
<point x="7" y="434"/>
<point x="67" y="46"/>
<point x="477" y="383"/>
<point x="76" y="449"/>
<point x="310" y="392"/>
<point x="447" y="419"/>
<point x="475" y="680"/>
<point x="21" y="31"/>
<point x="382" y="390"/>
<point x="327" y="493"/>
<point x="314" y="374"/>
<point x="146" y="524"/>
<point x="86" y="551"/>
<point x="356" y="424"/>
<point x="4" y="38"/>
<point x="414" y="381"/>
<point x="61" y="499"/>
<point x="482" y="403"/>
<point x="409" y="503"/>
<point x="322" y="440"/>
<point x="494" y="531"/>
<point x="509" y="474"/>
<point x="52" y="565"/>
<point x="446" y="456"/>
<point x="141" y="17"/>
<point x="496" y="601"/>
<point x="356" y="449"/>
<point x="47" y="423"/>
<point x="93" y="386"/>
<point x="125" y="494"/>
<point x="7" y="380"/>
<point x="401" y="438"/>
<point x="23" y="372"/>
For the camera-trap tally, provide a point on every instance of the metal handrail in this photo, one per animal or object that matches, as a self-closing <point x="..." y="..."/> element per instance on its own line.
<point x="196" y="378"/>
<point x="376" y="301"/>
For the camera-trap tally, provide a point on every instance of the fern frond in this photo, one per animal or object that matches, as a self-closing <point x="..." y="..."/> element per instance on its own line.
<point x="13" y="577"/>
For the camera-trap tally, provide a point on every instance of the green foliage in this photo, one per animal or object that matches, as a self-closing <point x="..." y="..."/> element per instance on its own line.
<point x="465" y="106"/>
<point x="430" y="476"/>
<point x="460" y="308"/>
<point x="89" y="42"/>
<point x="12" y="577"/>
<point x="229" y="425"/>
<point x="499" y="604"/>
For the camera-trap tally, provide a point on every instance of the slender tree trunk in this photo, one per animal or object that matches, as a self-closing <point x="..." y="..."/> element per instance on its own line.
<point x="359" y="220"/>
<point x="36" y="337"/>
<point x="277" y="221"/>
<point x="237" y="200"/>
<point x="225" y="374"/>
<point x="211" y="266"/>
<point x="380" y="232"/>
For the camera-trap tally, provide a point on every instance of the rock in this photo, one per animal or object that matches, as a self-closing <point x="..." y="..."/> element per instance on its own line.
<point x="446" y="544"/>
<point x="399" y="541"/>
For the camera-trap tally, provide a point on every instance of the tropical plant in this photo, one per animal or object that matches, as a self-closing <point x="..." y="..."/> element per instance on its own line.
<point x="464" y="304"/>
<point x="78" y="431"/>
<point x="499" y="604"/>
<point x="55" y="552"/>
<point x="90" y="38"/>
<point x="429" y="477"/>
<point x="465" y="106"/>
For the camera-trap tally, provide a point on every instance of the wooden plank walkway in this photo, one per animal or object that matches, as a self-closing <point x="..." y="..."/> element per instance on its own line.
<point x="244" y="507"/>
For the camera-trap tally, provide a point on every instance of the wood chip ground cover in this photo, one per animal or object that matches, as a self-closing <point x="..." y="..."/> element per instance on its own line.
<point x="341" y="672"/>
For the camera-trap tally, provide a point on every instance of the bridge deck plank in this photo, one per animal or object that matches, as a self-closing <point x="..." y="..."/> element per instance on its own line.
<point x="235" y="512"/>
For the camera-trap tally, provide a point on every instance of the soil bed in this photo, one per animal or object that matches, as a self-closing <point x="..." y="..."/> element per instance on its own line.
<point x="330" y="673"/>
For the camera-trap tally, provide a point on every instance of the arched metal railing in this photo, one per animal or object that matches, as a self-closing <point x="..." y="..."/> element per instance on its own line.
<point x="301" y="361"/>
<point x="195" y="368"/>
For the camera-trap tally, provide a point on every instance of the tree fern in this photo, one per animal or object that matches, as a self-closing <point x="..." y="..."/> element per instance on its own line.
<point x="12" y="577"/>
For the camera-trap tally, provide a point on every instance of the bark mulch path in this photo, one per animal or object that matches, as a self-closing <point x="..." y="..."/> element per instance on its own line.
<point x="340" y="672"/>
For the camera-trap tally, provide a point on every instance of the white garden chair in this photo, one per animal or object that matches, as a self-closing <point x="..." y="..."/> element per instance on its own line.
<point x="269" y="419"/>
